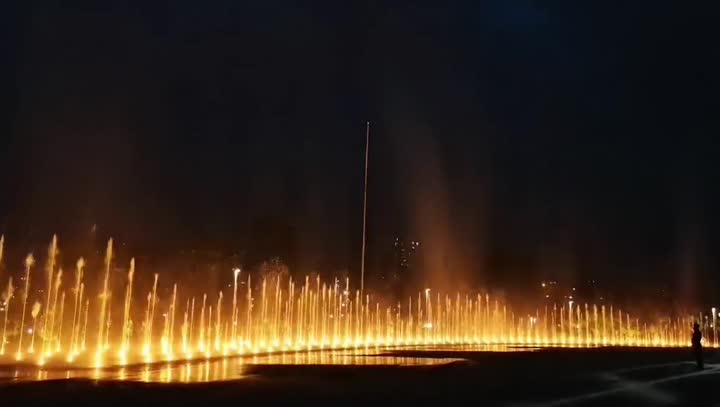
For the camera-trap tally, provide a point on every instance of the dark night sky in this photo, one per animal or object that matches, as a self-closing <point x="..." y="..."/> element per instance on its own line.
<point x="514" y="140"/>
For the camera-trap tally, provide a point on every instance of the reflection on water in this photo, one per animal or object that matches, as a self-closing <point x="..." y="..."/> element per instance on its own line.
<point x="232" y="368"/>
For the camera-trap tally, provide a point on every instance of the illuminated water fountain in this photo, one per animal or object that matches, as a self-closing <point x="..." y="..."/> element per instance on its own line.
<point x="29" y="261"/>
<point x="6" y="297"/>
<point x="280" y="314"/>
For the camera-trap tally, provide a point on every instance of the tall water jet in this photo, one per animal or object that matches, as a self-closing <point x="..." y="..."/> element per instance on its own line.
<point x="249" y="312"/>
<point x="79" y="319"/>
<point x="217" y="321"/>
<point x="7" y="296"/>
<point x="103" y="302"/>
<point x="85" y="321"/>
<point x="225" y="339"/>
<point x="29" y="261"/>
<point x="2" y="249"/>
<point x="165" y="332"/>
<point x="208" y="349"/>
<point x="596" y="331"/>
<point x="201" y="341"/>
<point x="125" y="344"/>
<point x="34" y="313"/>
<point x="6" y="301"/>
<point x="146" y="326"/>
<point x="49" y="270"/>
<point x="233" y="336"/>
<point x="171" y="336"/>
<point x="61" y="316"/>
<point x="108" y="324"/>
<point x="50" y="334"/>
<point x="152" y="306"/>
<point x="604" y="327"/>
<point x="192" y="322"/>
<point x="76" y="301"/>
<point x="714" y="325"/>
<point x="184" y="328"/>
<point x="612" y="327"/>
<point x="263" y="308"/>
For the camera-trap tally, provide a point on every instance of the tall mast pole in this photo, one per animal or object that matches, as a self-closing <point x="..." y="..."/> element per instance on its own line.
<point x="362" y="257"/>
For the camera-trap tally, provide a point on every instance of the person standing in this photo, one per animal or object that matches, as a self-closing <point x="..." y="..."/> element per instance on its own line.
<point x="697" y="345"/>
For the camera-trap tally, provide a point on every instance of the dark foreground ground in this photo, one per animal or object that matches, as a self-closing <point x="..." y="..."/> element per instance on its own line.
<point x="600" y="377"/>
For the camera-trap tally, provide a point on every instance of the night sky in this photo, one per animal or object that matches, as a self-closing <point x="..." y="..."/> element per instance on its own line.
<point x="516" y="141"/>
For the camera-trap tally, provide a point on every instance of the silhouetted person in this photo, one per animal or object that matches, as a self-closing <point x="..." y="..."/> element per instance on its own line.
<point x="697" y="345"/>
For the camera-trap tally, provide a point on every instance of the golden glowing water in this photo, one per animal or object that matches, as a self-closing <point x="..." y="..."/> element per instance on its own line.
<point x="280" y="314"/>
<point x="234" y="367"/>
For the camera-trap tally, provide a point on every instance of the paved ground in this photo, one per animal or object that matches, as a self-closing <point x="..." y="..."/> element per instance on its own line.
<point x="552" y="377"/>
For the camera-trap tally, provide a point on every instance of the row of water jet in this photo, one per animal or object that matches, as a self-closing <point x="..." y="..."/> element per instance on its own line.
<point x="281" y="314"/>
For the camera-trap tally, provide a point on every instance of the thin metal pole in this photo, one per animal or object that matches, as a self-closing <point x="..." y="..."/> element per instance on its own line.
<point x="362" y="258"/>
